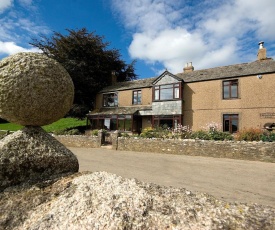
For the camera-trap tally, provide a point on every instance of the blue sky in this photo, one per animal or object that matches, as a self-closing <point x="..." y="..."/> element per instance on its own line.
<point x="159" y="34"/>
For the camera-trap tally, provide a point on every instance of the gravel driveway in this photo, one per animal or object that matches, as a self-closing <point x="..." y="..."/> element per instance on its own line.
<point x="231" y="180"/>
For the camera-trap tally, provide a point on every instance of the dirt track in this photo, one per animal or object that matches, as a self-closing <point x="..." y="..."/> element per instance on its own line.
<point x="231" y="180"/>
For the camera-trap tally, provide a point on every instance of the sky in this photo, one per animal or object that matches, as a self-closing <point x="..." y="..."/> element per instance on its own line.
<point x="158" y="34"/>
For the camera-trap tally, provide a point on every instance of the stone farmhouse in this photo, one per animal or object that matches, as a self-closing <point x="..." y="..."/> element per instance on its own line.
<point x="235" y="96"/>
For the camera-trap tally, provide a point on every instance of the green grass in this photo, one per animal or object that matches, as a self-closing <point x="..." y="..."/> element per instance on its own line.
<point x="10" y="127"/>
<point x="61" y="124"/>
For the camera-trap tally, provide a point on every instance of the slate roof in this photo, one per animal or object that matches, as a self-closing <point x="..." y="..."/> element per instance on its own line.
<point x="136" y="84"/>
<point x="231" y="71"/>
<point x="223" y="72"/>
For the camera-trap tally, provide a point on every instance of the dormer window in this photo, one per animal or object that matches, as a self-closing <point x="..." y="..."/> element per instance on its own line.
<point x="110" y="100"/>
<point x="166" y="92"/>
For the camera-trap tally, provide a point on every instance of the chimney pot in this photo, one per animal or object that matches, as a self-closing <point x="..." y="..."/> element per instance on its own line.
<point x="261" y="45"/>
<point x="188" y="67"/>
<point x="262" y="51"/>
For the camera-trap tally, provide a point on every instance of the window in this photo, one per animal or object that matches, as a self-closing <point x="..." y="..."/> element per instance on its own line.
<point x="230" y="123"/>
<point x="112" y="122"/>
<point x="110" y="100"/>
<point x="230" y="89"/>
<point x="167" y="92"/>
<point x="167" y="121"/>
<point x="136" y="97"/>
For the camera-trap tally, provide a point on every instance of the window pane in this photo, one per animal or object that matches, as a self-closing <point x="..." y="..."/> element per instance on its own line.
<point x="107" y="123"/>
<point x="113" y="124"/>
<point x="226" y="126"/>
<point x="121" y="125"/>
<point x="177" y="93"/>
<point x="139" y="97"/>
<point x="110" y="100"/>
<point x="166" y="94"/>
<point x="225" y="92"/>
<point x="234" y="126"/>
<point x="128" y="125"/>
<point x="156" y="94"/>
<point x="234" y="91"/>
<point x="166" y="123"/>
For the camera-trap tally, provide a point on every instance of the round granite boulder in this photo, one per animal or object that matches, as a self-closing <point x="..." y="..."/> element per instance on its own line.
<point x="35" y="90"/>
<point x="31" y="154"/>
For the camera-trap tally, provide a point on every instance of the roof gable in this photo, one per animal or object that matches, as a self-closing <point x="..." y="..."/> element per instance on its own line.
<point x="166" y="78"/>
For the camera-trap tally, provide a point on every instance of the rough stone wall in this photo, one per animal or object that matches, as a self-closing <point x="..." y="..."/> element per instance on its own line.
<point x="79" y="141"/>
<point x="261" y="151"/>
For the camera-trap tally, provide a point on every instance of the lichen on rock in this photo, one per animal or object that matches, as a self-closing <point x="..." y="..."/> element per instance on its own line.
<point x="31" y="154"/>
<point x="103" y="200"/>
<point x="35" y="90"/>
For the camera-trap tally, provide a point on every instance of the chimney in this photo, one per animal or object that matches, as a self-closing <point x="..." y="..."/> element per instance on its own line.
<point x="113" y="78"/>
<point x="261" y="52"/>
<point x="188" y="67"/>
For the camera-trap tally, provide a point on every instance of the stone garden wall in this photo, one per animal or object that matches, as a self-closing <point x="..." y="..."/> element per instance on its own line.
<point x="261" y="151"/>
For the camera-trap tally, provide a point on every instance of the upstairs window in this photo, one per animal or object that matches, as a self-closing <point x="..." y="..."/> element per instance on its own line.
<point x="136" y="97"/>
<point x="110" y="100"/>
<point x="167" y="92"/>
<point x="230" y="89"/>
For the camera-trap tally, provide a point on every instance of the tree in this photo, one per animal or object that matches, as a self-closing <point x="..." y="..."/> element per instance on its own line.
<point x="88" y="61"/>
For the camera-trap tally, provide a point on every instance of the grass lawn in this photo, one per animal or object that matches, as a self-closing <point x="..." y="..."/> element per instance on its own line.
<point x="61" y="124"/>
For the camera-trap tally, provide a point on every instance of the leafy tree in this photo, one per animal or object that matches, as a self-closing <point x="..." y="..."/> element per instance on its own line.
<point x="88" y="61"/>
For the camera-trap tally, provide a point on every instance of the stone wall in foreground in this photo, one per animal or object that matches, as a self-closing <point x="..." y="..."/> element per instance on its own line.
<point x="261" y="151"/>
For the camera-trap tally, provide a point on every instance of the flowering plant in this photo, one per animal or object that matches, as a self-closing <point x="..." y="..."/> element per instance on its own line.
<point x="181" y="131"/>
<point x="213" y="127"/>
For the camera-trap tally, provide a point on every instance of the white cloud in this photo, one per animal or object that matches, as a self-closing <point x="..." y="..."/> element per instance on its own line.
<point x="148" y="15"/>
<point x="4" y="4"/>
<point x="11" y="48"/>
<point x="208" y="33"/>
<point x="17" y="28"/>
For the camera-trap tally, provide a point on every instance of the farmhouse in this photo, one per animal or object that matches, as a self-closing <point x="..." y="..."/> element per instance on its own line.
<point x="235" y="96"/>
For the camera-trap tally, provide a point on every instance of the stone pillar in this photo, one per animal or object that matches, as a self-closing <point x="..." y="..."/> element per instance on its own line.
<point x="115" y="136"/>
<point x="101" y="137"/>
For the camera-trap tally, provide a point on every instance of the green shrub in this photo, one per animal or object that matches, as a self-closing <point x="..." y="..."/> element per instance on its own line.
<point x="251" y="134"/>
<point x="125" y="135"/>
<point x="67" y="132"/>
<point x="73" y="132"/>
<point x="147" y="133"/>
<point x="220" y="136"/>
<point x="268" y="137"/>
<point x="158" y="132"/>
<point x="201" y="134"/>
<point x="94" y="132"/>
